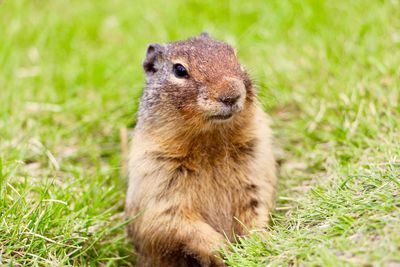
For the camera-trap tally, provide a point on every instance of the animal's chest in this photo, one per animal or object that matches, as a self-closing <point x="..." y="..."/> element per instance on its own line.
<point x="218" y="191"/>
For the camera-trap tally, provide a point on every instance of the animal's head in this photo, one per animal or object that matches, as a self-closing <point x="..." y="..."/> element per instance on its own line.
<point x="200" y="78"/>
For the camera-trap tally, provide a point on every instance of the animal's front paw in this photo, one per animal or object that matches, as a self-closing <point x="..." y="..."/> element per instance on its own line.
<point x="216" y="261"/>
<point x="211" y="260"/>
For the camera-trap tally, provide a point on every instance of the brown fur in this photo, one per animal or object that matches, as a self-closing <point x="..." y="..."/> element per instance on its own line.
<point x="194" y="182"/>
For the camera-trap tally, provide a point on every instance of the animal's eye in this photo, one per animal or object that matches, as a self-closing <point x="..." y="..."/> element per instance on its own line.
<point x="180" y="71"/>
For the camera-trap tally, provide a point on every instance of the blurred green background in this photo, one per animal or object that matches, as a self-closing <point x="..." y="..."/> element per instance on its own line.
<point x="327" y="73"/>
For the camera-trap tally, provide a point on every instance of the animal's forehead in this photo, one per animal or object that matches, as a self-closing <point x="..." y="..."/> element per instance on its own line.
<point x="205" y="56"/>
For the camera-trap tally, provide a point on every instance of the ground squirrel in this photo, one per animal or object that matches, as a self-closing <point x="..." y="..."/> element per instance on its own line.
<point x="201" y="168"/>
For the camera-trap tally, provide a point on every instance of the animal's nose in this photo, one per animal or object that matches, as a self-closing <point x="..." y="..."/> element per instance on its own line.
<point x="229" y="100"/>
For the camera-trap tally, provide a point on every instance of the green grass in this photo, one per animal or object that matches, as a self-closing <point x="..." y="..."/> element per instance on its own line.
<point x="328" y="74"/>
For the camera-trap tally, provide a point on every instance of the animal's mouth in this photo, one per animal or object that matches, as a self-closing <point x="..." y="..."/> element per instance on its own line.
<point x="222" y="117"/>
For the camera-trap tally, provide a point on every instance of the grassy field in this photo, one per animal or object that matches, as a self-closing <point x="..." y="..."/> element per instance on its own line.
<point x="328" y="73"/>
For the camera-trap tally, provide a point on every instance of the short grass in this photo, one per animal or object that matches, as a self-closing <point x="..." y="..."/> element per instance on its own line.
<point x="328" y="74"/>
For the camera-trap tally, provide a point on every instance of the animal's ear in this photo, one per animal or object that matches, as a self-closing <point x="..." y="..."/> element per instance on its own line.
<point x="204" y="35"/>
<point x="154" y="52"/>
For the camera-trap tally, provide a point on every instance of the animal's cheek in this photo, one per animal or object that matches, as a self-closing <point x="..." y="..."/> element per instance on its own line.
<point x="175" y="81"/>
<point x="181" y="97"/>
